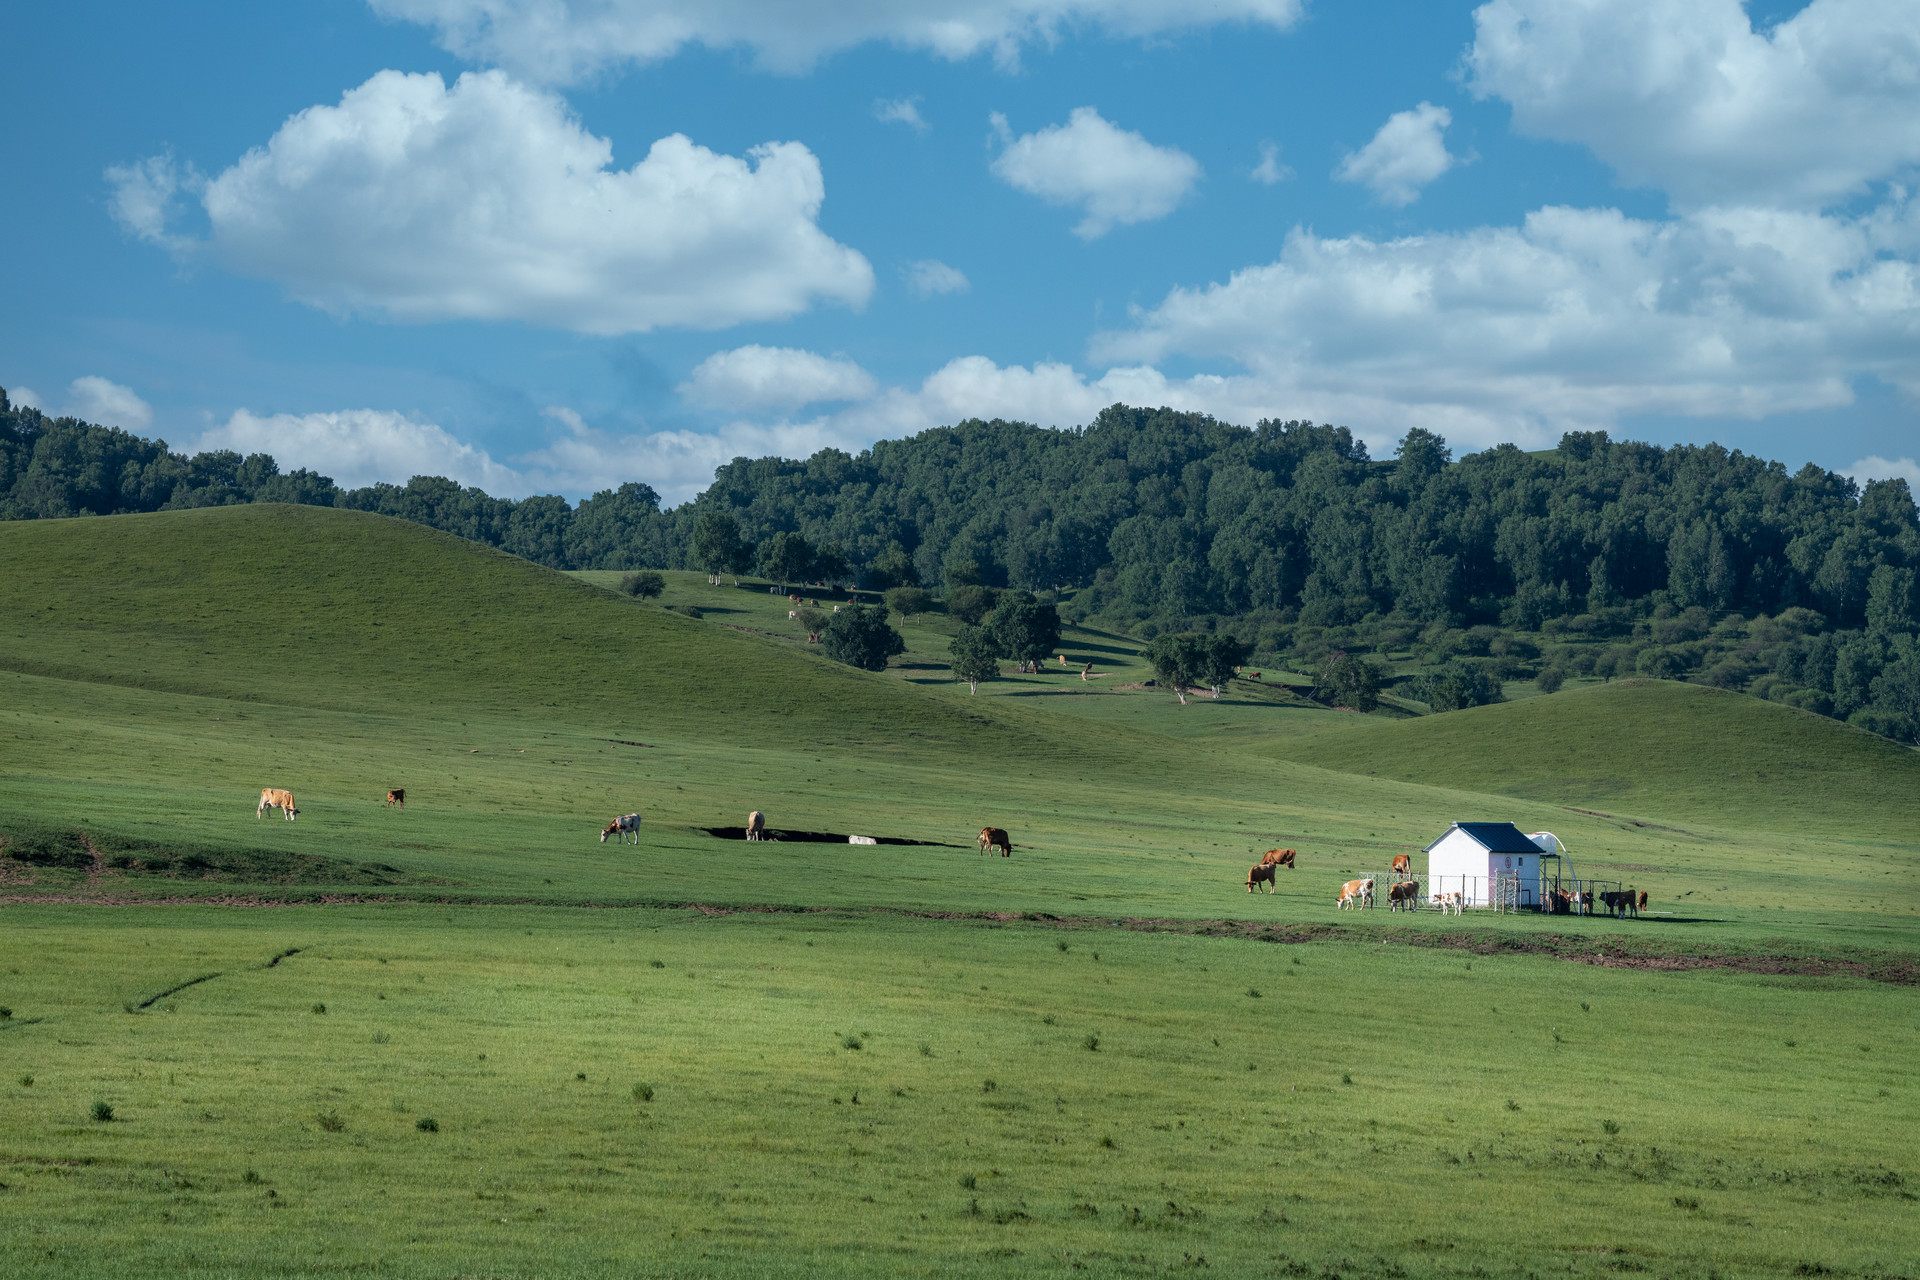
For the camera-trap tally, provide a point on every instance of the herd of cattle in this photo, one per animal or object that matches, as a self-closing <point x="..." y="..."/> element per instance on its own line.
<point x="1402" y="894"/>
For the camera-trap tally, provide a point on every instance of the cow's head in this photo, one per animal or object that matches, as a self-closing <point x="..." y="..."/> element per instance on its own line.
<point x="605" y="834"/>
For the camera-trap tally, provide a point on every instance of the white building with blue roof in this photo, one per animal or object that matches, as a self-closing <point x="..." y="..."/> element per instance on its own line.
<point x="1487" y="864"/>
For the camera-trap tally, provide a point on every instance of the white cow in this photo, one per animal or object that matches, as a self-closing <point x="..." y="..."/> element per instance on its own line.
<point x="756" y="826"/>
<point x="623" y="826"/>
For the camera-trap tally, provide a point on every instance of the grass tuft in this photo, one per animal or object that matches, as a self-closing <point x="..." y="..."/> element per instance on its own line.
<point x="427" y="1124"/>
<point x="643" y="1093"/>
<point x="331" y="1122"/>
<point x="102" y="1112"/>
<point x="319" y="1008"/>
<point x="1609" y="1127"/>
<point x="26" y="1081"/>
<point x="1091" y="1043"/>
<point x="252" y="1178"/>
<point x="1346" y="1077"/>
<point x="851" y="1042"/>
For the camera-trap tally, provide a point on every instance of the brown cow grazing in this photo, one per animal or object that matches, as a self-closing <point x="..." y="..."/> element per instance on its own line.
<point x="995" y="838"/>
<point x="397" y="796"/>
<point x="756" y="826"/>
<point x="1404" y="894"/>
<point x="1403" y="864"/>
<point x="1356" y="894"/>
<point x="1262" y="874"/>
<point x="275" y="798"/>
<point x="1278" y="858"/>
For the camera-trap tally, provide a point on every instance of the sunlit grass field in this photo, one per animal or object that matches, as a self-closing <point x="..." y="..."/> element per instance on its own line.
<point x="763" y="1094"/>
<point x="156" y="672"/>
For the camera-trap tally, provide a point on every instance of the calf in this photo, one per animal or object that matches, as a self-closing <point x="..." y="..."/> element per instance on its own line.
<point x="1262" y="874"/>
<point x="1447" y="903"/>
<point x="995" y="838"/>
<point x="1356" y="894"/>
<point x="623" y="826"/>
<point x="397" y="796"/>
<point x="275" y="798"/>
<point x="1404" y="894"/>
<point x="1642" y="904"/>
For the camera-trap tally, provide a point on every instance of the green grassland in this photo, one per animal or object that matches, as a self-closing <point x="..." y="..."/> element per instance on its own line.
<point x="1367" y="1112"/>
<point x="157" y="671"/>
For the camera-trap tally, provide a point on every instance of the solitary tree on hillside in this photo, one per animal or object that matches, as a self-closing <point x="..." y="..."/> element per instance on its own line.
<point x="974" y="657"/>
<point x="1178" y="660"/>
<point x="907" y="601"/>
<point x="1221" y="657"/>
<point x="645" y="583"/>
<point x="1024" y="629"/>
<point x="718" y="547"/>
<point x="1348" y="680"/>
<point x="786" y="558"/>
<point x="859" y="636"/>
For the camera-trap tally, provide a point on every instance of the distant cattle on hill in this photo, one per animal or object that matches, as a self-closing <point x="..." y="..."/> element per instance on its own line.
<point x="1262" y="874"/>
<point x="756" y="826"/>
<point x="275" y="798"/>
<point x="397" y="796"/>
<point x="1278" y="858"/>
<point x="1402" y="864"/>
<point x="995" y="838"/>
<point x="1356" y="894"/>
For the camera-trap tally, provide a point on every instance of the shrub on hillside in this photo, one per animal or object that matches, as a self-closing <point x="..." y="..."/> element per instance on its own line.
<point x="1455" y="686"/>
<point x="690" y="611"/>
<point x="859" y="636"/>
<point x="1550" y="680"/>
<point x="646" y="584"/>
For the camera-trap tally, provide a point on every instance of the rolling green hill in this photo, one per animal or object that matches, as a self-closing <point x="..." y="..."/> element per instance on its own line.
<point x="1648" y="747"/>
<point x="313" y="607"/>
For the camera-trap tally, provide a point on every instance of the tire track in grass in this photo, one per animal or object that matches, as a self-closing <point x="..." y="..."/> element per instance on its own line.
<point x="156" y="998"/>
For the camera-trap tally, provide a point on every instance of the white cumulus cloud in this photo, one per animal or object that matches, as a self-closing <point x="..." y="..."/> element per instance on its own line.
<point x="108" y="404"/>
<point x="756" y="377"/>
<point x="489" y="201"/>
<point x="1685" y="96"/>
<point x="904" y="111"/>
<point x="1116" y="176"/>
<point x="359" y="447"/>
<point x="930" y="276"/>
<point x="1876" y="467"/>
<point x="566" y="40"/>
<point x="1408" y="152"/>
<point x="1573" y="319"/>
<point x="1270" y="171"/>
<point x="24" y="397"/>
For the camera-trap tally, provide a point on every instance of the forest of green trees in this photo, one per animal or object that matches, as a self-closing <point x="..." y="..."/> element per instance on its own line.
<point x="1600" y="557"/>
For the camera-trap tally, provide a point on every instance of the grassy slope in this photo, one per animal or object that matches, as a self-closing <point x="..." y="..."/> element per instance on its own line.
<point x="1650" y="747"/>
<point x="302" y="606"/>
<point x="391" y="655"/>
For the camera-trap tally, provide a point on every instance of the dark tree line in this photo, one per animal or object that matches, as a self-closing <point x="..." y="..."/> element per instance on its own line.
<point x="1798" y="585"/>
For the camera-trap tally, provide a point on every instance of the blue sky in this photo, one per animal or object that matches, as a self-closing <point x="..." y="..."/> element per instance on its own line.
<point x="553" y="245"/>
